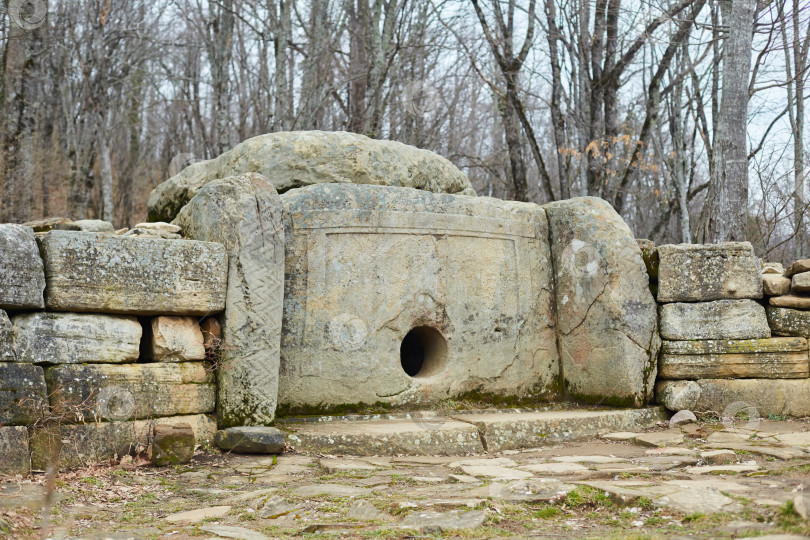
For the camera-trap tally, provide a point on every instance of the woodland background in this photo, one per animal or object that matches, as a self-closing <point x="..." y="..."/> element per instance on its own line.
<point x="534" y="99"/>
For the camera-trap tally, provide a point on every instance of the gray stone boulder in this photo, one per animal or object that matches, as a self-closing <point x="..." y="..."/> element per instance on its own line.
<point x="775" y="284"/>
<point x="251" y="440"/>
<point x="76" y="338"/>
<point x="21" y="267"/>
<point x="102" y="273"/>
<point x="788" y="322"/>
<point x="301" y="158"/>
<point x="704" y="272"/>
<point x="23" y="394"/>
<point x="14" y="450"/>
<point x="95" y="225"/>
<point x="244" y="214"/>
<point x="606" y="315"/>
<point x="677" y="395"/>
<point x="800" y="282"/>
<point x="131" y="391"/>
<point x="721" y="319"/>
<point x="6" y="339"/>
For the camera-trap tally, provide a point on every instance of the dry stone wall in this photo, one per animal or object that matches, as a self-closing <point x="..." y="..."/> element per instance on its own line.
<point x="719" y="308"/>
<point x="100" y="340"/>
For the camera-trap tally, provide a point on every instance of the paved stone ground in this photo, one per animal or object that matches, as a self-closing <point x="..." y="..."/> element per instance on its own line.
<point x="703" y="480"/>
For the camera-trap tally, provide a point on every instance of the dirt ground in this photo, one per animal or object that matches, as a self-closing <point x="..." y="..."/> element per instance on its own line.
<point x="641" y="487"/>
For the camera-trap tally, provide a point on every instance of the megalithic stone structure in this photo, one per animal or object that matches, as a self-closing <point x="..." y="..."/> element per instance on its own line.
<point x="244" y="214"/>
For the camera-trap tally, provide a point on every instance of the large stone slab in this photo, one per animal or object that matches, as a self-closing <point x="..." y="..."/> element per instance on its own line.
<point x="704" y="272"/>
<point x="301" y="158"/>
<point x="104" y="273"/>
<point x="244" y="214"/>
<point x="23" y="395"/>
<point x="505" y="431"/>
<point x="788" y="322"/>
<point x="790" y="301"/>
<point x="606" y="314"/>
<point x="797" y="267"/>
<point x="75" y="338"/>
<point x="800" y="282"/>
<point x="775" y="284"/>
<point x="390" y="437"/>
<point x="789" y="397"/>
<point x="21" y="267"/>
<point x="402" y="296"/>
<point x="131" y="391"/>
<point x="14" y="454"/>
<point x="721" y="319"/>
<point x="774" y="358"/>
<point x="6" y="339"/>
<point x="94" y="442"/>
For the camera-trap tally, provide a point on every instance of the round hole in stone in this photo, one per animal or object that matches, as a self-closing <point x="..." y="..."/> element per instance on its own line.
<point x="423" y="352"/>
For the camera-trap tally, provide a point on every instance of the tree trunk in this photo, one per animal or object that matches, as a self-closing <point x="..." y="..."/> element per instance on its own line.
<point x="725" y="213"/>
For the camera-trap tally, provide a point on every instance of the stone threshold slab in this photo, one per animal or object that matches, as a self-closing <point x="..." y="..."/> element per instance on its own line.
<point x="782" y="365"/>
<point x="471" y="432"/>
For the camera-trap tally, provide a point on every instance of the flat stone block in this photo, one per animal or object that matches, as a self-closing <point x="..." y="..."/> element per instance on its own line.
<point x="403" y="296"/>
<point x="387" y="437"/>
<point x="141" y="276"/>
<point x="721" y="319"/>
<point x="789" y="397"/>
<point x="131" y="391"/>
<point x="21" y="267"/>
<point x="23" y="394"/>
<point x="14" y="455"/>
<point x="775" y="284"/>
<point x="606" y="314"/>
<point x="790" y="301"/>
<point x="176" y="339"/>
<point x="172" y="444"/>
<point x="511" y="431"/>
<point x="75" y="338"/>
<point x="705" y="272"/>
<point x="800" y="282"/>
<point x="774" y="358"/>
<point x="788" y="322"/>
<point x="94" y="442"/>
<point x="251" y="440"/>
<point x="95" y="225"/>
<point x="797" y="267"/>
<point x="244" y="214"/>
<point x="677" y="395"/>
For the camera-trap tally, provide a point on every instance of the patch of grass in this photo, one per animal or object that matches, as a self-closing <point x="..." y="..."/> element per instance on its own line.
<point x="587" y="496"/>
<point x="645" y="502"/>
<point x="691" y="518"/>
<point x="91" y="480"/>
<point x="777" y="417"/>
<point x="548" y="512"/>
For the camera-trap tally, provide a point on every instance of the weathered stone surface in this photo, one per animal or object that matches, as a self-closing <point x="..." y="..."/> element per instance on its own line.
<point x="160" y="226"/>
<point x="444" y="521"/>
<point x="76" y="338"/>
<point x="802" y="265"/>
<point x="530" y="429"/>
<point x="141" y="276"/>
<point x="704" y="272"/>
<point x="14" y="456"/>
<point x="464" y="283"/>
<point x="800" y="282"/>
<point x="172" y="444"/>
<point x="95" y="225"/>
<point x="244" y="214"/>
<point x="659" y="439"/>
<point x="721" y="319"/>
<point x="6" y="339"/>
<point x="775" y="284"/>
<point x="677" y="395"/>
<point x="23" y="393"/>
<point x="773" y="358"/>
<point x="681" y="418"/>
<point x="176" y="339"/>
<point x="52" y="224"/>
<point x="94" y="442"/>
<point x="788" y="322"/>
<point x="23" y="276"/>
<point x="131" y="391"/>
<point x="151" y="233"/>
<point x="606" y="314"/>
<point x="650" y="255"/>
<point x="251" y="440"/>
<point x="772" y="268"/>
<point x="301" y="158"/>
<point x="789" y="397"/>
<point x="790" y="301"/>
<point x="361" y="438"/>
<point x="198" y="514"/>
